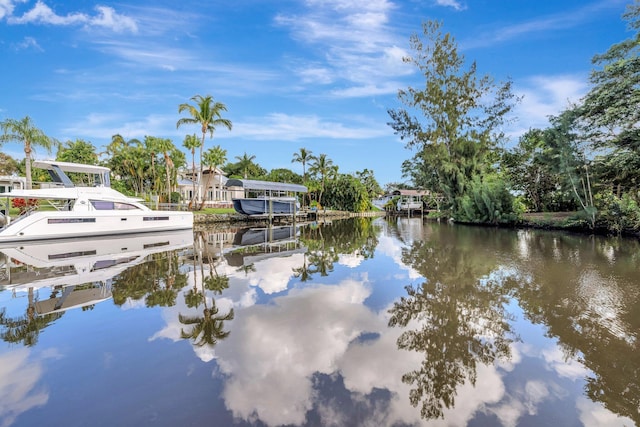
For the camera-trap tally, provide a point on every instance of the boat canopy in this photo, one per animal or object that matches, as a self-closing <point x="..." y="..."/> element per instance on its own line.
<point x="57" y="171"/>
<point x="249" y="184"/>
<point x="69" y="167"/>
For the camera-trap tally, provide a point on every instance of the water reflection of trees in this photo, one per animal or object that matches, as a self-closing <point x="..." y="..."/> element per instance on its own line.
<point x="207" y="329"/>
<point x="326" y="242"/>
<point x="456" y="316"/>
<point x="158" y="280"/>
<point x="26" y="328"/>
<point x="584" y="289"/>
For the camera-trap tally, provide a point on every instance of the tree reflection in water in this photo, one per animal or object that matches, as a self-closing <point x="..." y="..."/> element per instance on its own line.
<point x="584" y="290"/>
<point x="25" y="329"/>
<point x="207" y="329"/>
<point x="456" y="317"/>
<point x="158" y="280"/>
<point x="325" y="244"/>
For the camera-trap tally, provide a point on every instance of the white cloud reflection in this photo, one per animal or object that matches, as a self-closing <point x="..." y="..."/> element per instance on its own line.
<point x="19" y="389"/>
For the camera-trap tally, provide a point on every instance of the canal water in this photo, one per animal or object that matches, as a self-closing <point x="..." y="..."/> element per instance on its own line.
<point x="359" y="322"/>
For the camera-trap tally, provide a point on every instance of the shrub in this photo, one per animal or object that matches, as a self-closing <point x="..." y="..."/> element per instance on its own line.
<point x="487" y="200"/>
<point x="617" y="214"/>
<point x="23" y="204"/>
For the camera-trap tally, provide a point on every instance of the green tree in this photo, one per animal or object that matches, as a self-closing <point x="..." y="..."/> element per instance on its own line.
<point x="368" y="179"/>
<point x="191" y="142"/>
<point x="165" y="146"/>
<point x="213" y="158"/>
<point x="530" y="172"/>
<point x="8" y="165"/>
<point x="568" y="151"/>
<point x="208" y="114"/>
<point x="303" y="156"/>
<point x="462" y="115"/>
<point x="612" y="106"/>
<point x="245" y="162"/>
<point x="347" y="193"/>
<point x="24" y="131"/>
<point x="322" y="166"/>
<point x="283" y="175"/>
<point x="78" y="151"/>
<point x="127" y="162"/>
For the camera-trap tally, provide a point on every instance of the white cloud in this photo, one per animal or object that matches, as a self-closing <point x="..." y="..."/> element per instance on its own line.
<point x="287" y="127"/>
<point x="543" y="25"/>
<point x="106" y="17"/>
<point x="28" y="43"/>
<point x="451" y="3"/>
<point x="545" y="96"/>
<point x="6" y="8"/>
<point x="354" y="41"/>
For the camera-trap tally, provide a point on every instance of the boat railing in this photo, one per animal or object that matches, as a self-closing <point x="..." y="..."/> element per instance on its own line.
<point x="23" y="214"/>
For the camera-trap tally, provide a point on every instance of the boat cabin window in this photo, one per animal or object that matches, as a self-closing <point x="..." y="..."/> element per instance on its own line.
<point x="103" y="205"/>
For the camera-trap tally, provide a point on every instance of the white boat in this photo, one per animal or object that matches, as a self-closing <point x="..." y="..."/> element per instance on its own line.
<point x="80" y="270"/>
<point x="67" y="210"/>
<point x="264" y="205"/>
<point x="265" y="197"/>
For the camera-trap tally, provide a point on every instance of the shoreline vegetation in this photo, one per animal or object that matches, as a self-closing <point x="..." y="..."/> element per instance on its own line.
<point x="561" y="221"/>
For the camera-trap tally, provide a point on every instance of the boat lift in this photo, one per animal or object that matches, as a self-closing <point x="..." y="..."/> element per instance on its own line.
<point x="269" y="192"/>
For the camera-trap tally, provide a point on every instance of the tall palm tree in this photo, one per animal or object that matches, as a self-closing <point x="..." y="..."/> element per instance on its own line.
<point x="245" y="161"/>
<point x="207" y="113"/>
<point x="191" y="142"/>
<point x="165" y="146"/>
<point x="303" y="156"/>
<point x="322" y="166"/>
<point x="25" y="131"/>
<point x="213" y="158"/>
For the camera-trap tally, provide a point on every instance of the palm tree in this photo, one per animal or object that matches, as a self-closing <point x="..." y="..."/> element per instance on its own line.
<point x="165" y="145"/>
<point x="24" y="130"/>
<point x="213" y="158"/>
<point x="206" y="113"/>
<point x="244" y="162"/>
<point x="322" y="166"/>
<point x="191" y="142"/>
<point x="303" y="156"/>
<point x="208" y="329"/>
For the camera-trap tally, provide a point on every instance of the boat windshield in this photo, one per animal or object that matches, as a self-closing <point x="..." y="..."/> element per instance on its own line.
<point x="103" y="205"/>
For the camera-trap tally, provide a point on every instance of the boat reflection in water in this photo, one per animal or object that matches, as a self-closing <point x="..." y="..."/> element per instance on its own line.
<point x="254" y="244"/>
<point x="79" y="271"/>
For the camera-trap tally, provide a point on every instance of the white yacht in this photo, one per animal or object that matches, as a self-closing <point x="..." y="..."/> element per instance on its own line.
<point x="95" y="209"/>
<point x="79" y="271"/>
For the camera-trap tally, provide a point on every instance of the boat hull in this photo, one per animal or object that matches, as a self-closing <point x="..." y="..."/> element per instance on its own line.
<point x="258" y="206"/>
<point x="44" y="225"/>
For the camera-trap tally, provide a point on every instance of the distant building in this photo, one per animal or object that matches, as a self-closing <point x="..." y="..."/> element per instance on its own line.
<point x="9" y="183"/>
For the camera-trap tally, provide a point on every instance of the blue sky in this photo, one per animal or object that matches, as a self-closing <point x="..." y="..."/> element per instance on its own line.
<point x="318" y="74"/>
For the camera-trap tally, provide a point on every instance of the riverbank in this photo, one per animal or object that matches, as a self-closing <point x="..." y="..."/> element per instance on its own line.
<point x="567" y="221"/>
<point x="322" y="215"/>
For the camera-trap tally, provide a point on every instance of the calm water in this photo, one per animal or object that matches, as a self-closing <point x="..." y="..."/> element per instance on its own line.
<point x="354" y="323"/>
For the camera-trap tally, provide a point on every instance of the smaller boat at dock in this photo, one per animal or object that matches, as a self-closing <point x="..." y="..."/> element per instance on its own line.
<point x="67" y="210"/>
